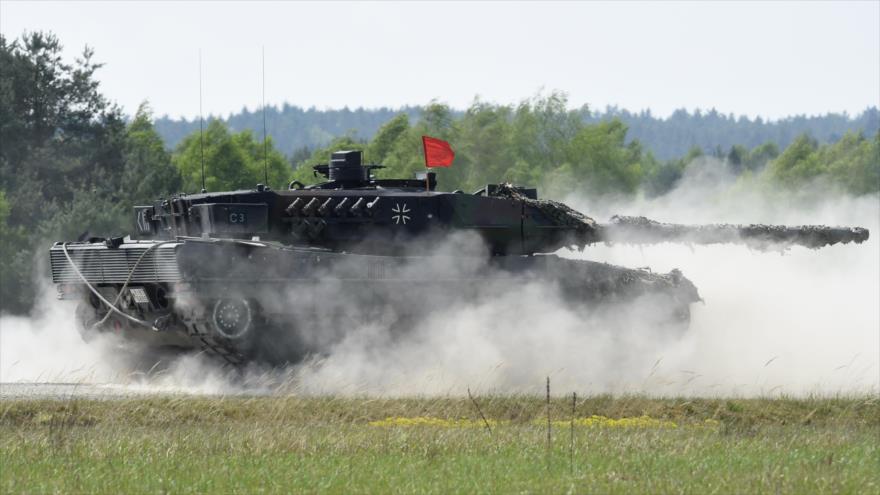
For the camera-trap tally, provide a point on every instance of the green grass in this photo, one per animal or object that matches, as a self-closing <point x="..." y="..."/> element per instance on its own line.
<point x="249" y="445"/>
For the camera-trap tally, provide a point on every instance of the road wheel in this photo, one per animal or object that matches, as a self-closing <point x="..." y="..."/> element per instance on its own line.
<point x="232" y="318"/>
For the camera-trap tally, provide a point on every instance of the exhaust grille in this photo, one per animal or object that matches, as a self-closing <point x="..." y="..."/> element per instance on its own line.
<point x="102" y="265"/>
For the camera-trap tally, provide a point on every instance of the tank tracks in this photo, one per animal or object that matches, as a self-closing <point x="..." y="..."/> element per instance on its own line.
<point x="215" y="347"/>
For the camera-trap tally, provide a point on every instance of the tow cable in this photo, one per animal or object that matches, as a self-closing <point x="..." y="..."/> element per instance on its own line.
<point x="112" y="306"/>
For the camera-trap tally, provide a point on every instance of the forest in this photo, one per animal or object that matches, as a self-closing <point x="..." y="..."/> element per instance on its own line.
<point x="72" y="164"/>
<point x="298" y="130"/>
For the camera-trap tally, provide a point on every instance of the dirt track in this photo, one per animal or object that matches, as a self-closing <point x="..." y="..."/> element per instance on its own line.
<point x="67" y="391"/>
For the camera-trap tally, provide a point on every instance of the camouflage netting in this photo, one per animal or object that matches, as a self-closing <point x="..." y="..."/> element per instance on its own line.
<point x="585" y="229"/>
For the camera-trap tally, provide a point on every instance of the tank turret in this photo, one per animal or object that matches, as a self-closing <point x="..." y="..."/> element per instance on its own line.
<point x="354" y="211"/>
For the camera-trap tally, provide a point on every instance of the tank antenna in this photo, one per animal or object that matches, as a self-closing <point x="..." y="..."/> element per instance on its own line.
<point x="265" y="141"/>
<point x="201" y="125"/>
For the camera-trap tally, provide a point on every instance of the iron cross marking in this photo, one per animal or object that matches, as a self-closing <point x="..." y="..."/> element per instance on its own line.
<point x="400" y="213"/>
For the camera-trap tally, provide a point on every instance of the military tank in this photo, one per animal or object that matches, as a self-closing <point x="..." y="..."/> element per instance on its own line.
<point x="266" y="275"/>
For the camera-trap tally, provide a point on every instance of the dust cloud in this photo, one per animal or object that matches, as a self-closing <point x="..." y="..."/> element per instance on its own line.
<point x="793" y="322"/>
<point x="797" y="322"/>
<point x="46" y="348"/>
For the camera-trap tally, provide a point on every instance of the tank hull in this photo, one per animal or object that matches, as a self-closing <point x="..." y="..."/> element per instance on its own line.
<point x="256" y="301"/>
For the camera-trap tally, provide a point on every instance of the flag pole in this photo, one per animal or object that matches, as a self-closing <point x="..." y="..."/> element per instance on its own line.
<point x="427" y="180"/>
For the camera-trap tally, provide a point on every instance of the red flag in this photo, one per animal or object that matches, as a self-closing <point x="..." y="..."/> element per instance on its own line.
<point x="438" y="153"/>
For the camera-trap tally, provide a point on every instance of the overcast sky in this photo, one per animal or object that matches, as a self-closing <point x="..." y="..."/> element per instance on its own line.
<point x="768" y="59"/>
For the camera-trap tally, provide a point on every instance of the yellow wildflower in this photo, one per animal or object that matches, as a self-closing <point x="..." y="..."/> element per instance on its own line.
<point x="595" y="421"/>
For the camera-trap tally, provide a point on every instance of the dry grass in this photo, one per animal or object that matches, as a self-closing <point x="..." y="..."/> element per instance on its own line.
<point x="283" y="444"/>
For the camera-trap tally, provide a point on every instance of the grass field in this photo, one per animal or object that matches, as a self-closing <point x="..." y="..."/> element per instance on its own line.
<point x="440" y="445"/>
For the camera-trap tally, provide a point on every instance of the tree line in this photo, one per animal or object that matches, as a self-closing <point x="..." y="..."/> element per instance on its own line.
<point x="72" y="164"/>
<point x="541" y="142"/>
<point x="298" y="130"/>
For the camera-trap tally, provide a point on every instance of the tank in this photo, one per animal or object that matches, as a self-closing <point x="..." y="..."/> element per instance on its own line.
<point x="275" y="275"/>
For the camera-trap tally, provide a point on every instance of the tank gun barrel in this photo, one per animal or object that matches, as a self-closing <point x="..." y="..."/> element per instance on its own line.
<point x="641" y="230"/>
<point x="563" y="225"/>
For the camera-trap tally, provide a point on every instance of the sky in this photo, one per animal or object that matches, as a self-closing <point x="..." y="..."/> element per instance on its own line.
<point x="745" y="58"/>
